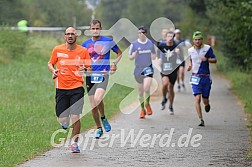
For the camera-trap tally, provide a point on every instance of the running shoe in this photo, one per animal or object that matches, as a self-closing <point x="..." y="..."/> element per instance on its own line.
<point x="183" y="85"/>
<point x="207" y="108"/>
<point x="164" y="101"/>
<point x="171" y="110"/>
<point x="106" y="125"/>
<point x="74" y="148"/>
<point x="98" y="133"/>
<point x="149" y="110"/>
<point x="179" y="88"/>
<point x="142" y="114"/>
<point x="202" y="123"/>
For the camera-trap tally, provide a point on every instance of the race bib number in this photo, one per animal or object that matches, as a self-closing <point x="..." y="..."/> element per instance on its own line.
<point x="167" y="67"/>
<point x="194" y="80"/>
<point x="96" y="78"/>
<point x="147" y="71"/>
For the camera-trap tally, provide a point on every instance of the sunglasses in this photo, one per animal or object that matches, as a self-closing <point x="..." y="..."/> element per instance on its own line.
<point x="141" y="32"/>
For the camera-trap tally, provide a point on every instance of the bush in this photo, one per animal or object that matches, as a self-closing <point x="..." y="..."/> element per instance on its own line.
<point x="13" y="44"/>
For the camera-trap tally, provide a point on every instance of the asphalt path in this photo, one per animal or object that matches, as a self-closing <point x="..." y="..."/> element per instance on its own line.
<point x="163" y="139"/>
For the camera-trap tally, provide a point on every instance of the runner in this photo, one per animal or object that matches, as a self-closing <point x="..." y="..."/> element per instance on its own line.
<point x="200" y="57"/>
<point x="162" y="40"/>
<point x="99" y="50"/>
<point x="143" y="51"/>
<point x="71" y="60"/>
<point x="181" y="72"/>
<point x="169" y="69"/>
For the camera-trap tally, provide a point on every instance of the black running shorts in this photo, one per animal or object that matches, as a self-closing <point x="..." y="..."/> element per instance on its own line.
<point x="172" y="76"/>
<point x="69" y="101"/>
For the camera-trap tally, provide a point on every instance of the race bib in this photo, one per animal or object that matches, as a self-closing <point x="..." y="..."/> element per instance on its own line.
<point x="147" y="71"/>
<point x="96" y="78"/>
<point x="194" y="80"/>
<point x="167" y="67"/>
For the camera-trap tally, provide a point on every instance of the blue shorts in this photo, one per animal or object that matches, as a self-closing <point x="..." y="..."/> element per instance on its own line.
<point x="203" y="87"/>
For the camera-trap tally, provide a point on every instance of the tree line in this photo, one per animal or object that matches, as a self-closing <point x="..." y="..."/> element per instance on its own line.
<point x="229" y="20"/>
<point x="45" y="12"/>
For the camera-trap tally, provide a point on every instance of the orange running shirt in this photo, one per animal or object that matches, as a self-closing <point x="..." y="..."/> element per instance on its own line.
<point x="68" y="62"/>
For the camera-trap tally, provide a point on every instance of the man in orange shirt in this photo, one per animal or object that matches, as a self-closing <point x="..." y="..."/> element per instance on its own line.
<point x="71" y="61"/>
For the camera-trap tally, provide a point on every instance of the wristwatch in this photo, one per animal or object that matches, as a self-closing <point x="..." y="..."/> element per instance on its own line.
<point x="115" y="63"/>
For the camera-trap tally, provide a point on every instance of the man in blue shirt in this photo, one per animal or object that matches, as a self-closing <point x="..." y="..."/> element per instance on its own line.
<point x="99" y="50"/>
<point x="200" y="56"/>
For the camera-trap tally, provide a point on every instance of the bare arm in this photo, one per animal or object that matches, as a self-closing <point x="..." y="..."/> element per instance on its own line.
<point x="118" y="58"/>
<point x="212" y="60"/>
<point x="153" y="56"/>
<point x="189" y="67"/>
<point x="53" y="70"/>
<point x="133" y="55"/>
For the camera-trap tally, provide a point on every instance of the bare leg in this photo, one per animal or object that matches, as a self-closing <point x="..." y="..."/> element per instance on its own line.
<point x="140" y="90"/>
<point x="171" y="94"/>
<point x="165" y="82"/>
<point x="95" y="111"/>
<point x="141" y="94"/>
<point x="64" y="120"/>
<point x="178" y="77"/>
<point x="146" y="87"/>
<point x="197" y="105"/>
<point x="76" y="127"/>
<point x="101" y="108"/>
<point x="98" y="98"/>
<point x="205" y="101"/>
<point x="181" y="74"/>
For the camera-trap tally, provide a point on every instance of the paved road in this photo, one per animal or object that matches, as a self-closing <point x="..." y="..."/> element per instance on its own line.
<point x="166" y="140"/>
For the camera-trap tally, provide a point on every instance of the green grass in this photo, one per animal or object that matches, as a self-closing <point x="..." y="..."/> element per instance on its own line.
<point x="241" y="85"/>
<point x="27" y="104"/>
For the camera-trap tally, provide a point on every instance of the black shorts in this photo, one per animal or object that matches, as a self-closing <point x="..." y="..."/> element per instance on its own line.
<point x="91" y="87"/>
<point x="140" y="78"/>
<point x="69" y="101"/>
<point x="172" y="76"/>
<point x="182" y="64"/>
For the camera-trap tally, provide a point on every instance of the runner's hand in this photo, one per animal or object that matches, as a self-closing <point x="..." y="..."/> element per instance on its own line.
<point x="189" y="68"/>
<point x="203" y="58"/>
<point x="55" y="73"/>
<point x="133" y="55"/>
<point x="177" y="51"/>
<point x="113" y="69"/>
<point x="82" y="68"/>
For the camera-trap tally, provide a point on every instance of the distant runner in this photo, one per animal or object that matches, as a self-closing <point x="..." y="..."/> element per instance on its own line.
<point x="200" y="57"/>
